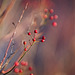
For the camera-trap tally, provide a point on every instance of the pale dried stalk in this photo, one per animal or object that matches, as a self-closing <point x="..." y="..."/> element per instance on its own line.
<point x="23" y="13"/>
<point x="12" y="35"/>
<point x="6" y="52"/>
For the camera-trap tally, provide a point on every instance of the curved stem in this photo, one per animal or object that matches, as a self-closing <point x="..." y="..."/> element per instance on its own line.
<point x="19" y="59"/>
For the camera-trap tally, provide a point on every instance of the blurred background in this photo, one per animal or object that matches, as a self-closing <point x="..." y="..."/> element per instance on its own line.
<point x="56" y="56"/>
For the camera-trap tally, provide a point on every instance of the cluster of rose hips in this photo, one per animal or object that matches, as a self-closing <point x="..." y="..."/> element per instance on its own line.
<point x="53" y="17"/>
<point x="23" y="63"/>
<point x="34" y="39"/>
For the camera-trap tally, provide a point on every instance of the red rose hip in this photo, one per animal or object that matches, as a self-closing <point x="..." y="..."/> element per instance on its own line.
<point x="43" y="37"/>
<point x="16" y="70"/>
<point x="34" y="39"/>
<point x="51" y="11"/>
<point x="20" y="71"/>
<point x="42" y="40"/>
<point x="35" y="31"/>
<point x="45" y="10"/>
<point x="45" y="16"/>
<point x="29" y="33"/>
<point x="30" y="68"/>
<point x="55" y="16"/>
<point x="51" y="17"/>
<point x="24" y="43"/>
<point x="54" y="24"/>
<point x="31" y="74"/>
<point x="16" y="63"/>
<point x="23" y="63"/>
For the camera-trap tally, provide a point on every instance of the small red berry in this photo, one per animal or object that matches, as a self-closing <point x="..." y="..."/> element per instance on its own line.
<point x="29" y="33"/>
<point x="54" y="24"/>
<point x="31" y="74"/>
<point x="34" y="39"/>
<point x="51" y="17"/>
<point x="16" y="70"/>
<point x="16" y="63"/>
<point x="30" y="68"/>
<point x="26" y="64"/>
<point x="35" y="31"/>
<point x="42" y="40"/>
<point x="51" y="10"/>
<point x="23" y="63"/>
<point x="24" y="43"/>
<point x="20" y="71"/>
<point x="25" y="49"/>
<point x="45" y="10"/>
<point x="55" y="16"/>
<point x="45" y="16"/>
<point x="43" y="37"/>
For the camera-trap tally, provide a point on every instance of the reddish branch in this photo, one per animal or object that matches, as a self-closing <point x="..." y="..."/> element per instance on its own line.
<point x="6" y="52"/>
<point x="19" y="59"/>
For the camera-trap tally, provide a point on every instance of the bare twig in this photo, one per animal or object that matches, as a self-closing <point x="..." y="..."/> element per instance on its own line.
<point x="23" y="12"/>
<point x="6" y="52"/>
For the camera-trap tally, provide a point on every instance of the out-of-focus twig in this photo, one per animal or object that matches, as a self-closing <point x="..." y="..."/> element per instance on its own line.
<point x="7" y="10"/>
<point x="11" y="39"/>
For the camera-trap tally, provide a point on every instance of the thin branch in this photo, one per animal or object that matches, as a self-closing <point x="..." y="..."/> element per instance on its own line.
<point x="8" y="60"/>
<point x="23" y="12"/>
<point x="6" y="52"/>
<point x="19" y="59"/>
